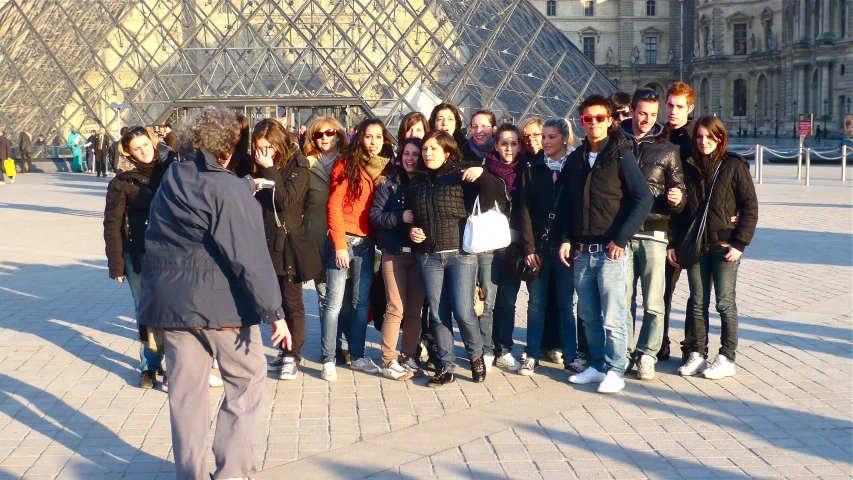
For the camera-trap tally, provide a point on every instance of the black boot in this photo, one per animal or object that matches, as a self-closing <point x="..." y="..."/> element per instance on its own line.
<point x="478" y="370"/>
<point x="441" y="378"/>
<point x="147" y="379"/>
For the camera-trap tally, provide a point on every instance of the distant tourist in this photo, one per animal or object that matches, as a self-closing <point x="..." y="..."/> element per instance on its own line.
<point x="76" y="142"/>
<point x="5" y="154"/>
<point x="25" y="147"/>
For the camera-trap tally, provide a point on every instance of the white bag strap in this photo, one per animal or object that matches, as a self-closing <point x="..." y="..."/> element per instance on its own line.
<point x="476" y="210"/>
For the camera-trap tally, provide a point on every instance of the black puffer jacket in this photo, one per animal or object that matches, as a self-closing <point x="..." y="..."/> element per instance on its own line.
<point x="606" y="202"/>
<point x="682" y="138"/>
<point x="660" y="163"/>
<point x="386" y="214"/>
<point x="734" y="192"/>
<point x="291" y="185"/>
<point x="441" y="202"/>
<point x="129" y="197"/>
<point x="535" y="201"/>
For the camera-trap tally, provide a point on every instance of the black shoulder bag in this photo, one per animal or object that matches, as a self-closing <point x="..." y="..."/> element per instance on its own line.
<point x="524" y="272"/>
<point x="304" y="254"/>
<point x="690" y="250"/>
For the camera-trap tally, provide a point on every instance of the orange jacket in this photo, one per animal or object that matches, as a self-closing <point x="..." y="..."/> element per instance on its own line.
<point x="345" y="217"/>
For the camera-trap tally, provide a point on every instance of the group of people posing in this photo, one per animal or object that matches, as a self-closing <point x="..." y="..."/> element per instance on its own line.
<point x="223" y="239"/>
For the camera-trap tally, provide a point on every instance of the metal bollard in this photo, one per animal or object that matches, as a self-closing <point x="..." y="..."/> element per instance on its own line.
<point x="844" y="163"/>
<point x="808" y="166"/>
<point x="761" y="164"/>
<point x="799" y="163"/>
<point x="757" y="161"/>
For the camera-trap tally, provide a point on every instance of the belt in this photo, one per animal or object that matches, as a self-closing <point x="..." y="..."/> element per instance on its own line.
<point x="594" y="248"/>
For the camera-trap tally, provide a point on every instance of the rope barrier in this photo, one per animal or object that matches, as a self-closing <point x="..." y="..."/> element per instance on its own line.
<point x="826" y="158"/>
<point x="748" y="152"/>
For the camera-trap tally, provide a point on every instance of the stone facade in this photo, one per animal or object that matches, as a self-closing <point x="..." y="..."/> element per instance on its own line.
<point x="755" y="63"/>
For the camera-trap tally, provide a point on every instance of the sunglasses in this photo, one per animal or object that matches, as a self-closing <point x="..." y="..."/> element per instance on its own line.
<point x="647" y="94"/>
<point x="621" y="113"/>
<point x="588" y="119"/>
<point x="329" y="133"/>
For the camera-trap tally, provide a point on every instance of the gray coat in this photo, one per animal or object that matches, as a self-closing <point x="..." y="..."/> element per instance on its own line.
<point x="207" y="263"/>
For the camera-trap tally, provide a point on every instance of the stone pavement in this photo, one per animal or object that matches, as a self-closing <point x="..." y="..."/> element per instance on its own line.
<point x="69" y="406"/>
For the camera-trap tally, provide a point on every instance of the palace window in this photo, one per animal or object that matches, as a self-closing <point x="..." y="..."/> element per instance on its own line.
<point x="739" y="98"/>
<point x="589" y="48"/>
<point x="651" y="50"/>
<point x="588" y="8"/>
<point x="740" y="39"/>
<point x="551" y="8"/>
<point x="650" y="8"/>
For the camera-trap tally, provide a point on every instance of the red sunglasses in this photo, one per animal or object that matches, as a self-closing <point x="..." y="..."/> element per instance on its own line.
<point x="587" y="119"/>
<point x="329" y="133"/>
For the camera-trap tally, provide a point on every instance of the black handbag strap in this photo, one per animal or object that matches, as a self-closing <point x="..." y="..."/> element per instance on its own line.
<point x="551" y="217"/>
<point x="704" y="221"/>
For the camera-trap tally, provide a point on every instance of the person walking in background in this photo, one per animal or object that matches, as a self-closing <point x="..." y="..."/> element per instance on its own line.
<point x="606" y="203"/>
<point x="5" y="154"/>
<point x="169" y="136"/>
<point x="349" y="249"/>
<point x="404" y="286"/>
<point x="660" y="164"/>
<point x="25" y="147"/>
<point x="75" y="142"/>
<point x="89" y="166"/>
<point x="817" y="135"/>
<point x="717" y="180"/>
<point x="101" y="146"/>
<point x="280" y="161"/>
<point x="129" y="197"/>
<point x="208" y="282"/>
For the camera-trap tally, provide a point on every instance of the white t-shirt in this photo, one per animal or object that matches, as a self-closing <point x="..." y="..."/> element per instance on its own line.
<point x="592" y="157"/>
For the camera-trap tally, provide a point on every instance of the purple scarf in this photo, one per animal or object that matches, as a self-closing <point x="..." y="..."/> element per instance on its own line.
<point x="508" y="172"/>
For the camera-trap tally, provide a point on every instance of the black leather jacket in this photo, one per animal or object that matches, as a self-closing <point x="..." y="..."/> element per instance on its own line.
<point x="660" y="163"/>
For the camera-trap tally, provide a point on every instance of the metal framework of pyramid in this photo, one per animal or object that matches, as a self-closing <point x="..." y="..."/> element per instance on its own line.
<point x="65" y="61"/>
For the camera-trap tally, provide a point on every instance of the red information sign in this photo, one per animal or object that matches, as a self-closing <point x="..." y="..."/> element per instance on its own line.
<point x="805" y="121"/>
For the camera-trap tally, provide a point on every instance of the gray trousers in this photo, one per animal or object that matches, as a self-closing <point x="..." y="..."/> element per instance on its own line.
<point x="242" y="365"/>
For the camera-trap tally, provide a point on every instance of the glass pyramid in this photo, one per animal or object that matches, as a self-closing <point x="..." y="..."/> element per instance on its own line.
<point x="66" y="61"/>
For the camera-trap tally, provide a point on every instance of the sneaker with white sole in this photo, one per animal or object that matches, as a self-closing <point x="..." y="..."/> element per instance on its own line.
<point x="276" y="363"/>
<point x="412" y="365"/>
<point x="365" y="365"/>
<point x="489" y="361"/>
<point x="694" y="365"/>
<point x="721" y="368"/>
<point x="290" y="370"/>
<point x="527" y="367"/>
<point x="612" y="383"/>
<point x="215" y="382"/>
<point x="395" y="371"/>
<point x="329" y="373"/>
<point x="646" y="368"/>
<point x="556" y="356"/>
<point x="508" y="362"/>
<point x="576" y="366"/>
<point x="590" y="375"/>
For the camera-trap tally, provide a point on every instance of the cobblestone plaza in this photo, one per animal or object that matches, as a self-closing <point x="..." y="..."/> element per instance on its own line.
<point x="70" y="408"/>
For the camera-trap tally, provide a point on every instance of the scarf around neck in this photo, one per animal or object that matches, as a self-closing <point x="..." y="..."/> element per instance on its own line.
<point x="482" y="150"/>
<point x="508" y="172"/>
<point x="374" y="167"/>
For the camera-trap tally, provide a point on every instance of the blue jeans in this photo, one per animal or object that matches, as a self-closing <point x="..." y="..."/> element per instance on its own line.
<point x="646" y="263"/>
<point x="488" y="272"/>
<point x="712" y="267"/>
<point x="601" y="284"/>
<point x="344" y="318"/>
<point x="148" y="360"/>
<point x="449" y="282"/>
<point x="538" y="292"/>
<point x="361" y="271"/>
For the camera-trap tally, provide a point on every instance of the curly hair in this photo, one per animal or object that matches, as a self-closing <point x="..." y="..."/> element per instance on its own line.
<point x="357" y="157"/>
<point x="213" y="129"/>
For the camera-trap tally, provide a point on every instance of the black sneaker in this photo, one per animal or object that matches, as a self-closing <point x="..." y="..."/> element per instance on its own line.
<point x="147" y="379"/>
<point x="478" y="370"/>
<point x="663" y="353"/>
<point x="441" y="378"/>
<point x="342" y="357"/>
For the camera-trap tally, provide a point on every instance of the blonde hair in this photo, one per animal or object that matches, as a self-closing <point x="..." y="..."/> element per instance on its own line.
<point x="310" y="149"/>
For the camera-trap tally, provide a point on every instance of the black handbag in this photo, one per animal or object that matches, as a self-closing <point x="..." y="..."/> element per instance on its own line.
<point x="307" y="263"/>
<point x="524" y="272"/>
<point x="690" y="250"/>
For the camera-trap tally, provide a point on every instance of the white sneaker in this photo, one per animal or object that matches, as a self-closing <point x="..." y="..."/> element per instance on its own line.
<point x="329" y="373"/>
<point x="365" y="365"/>
<point x="527" y="367"/>
<point x="289" y="369"/>
<point x="395" y="371"/>
<point x="215" y="382"/>
<point x="612" y="383"/>
<point x="590" y="375"/>
<point x="721" y="368"/>
<point x="489" y="360"/>
<point x="508" y="362"/>
<point x="13" y="179"/>
<point x="646" y="368"/>
<point x="694" y="365"/>
<point x="412" y="365"/>
<point x="556" y="356"/>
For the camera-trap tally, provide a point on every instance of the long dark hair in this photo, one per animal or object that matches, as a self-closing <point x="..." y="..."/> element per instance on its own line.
<point x="242" y="164"/>
<point x="279" y="137"/>
<point x="410" y="120"/>
<point x="457" y="133"/>
<point x="716" y="128"/>
<point x="357" y="157"/>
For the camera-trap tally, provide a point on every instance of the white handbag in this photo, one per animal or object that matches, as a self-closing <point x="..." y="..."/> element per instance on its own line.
<point x="486" y="230"/>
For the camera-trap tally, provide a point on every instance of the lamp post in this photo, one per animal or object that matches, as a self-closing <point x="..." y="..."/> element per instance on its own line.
<point x="794" y="116"/>
<point x="777" y="120"/>
<point x="825" y="115"/>
<point x="755" y="120"/>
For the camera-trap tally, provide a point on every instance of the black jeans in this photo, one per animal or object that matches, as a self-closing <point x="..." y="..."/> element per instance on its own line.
<point x="712" y="267"/>
<point x="294" y="315"/>
<point x="101" y="164"/>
